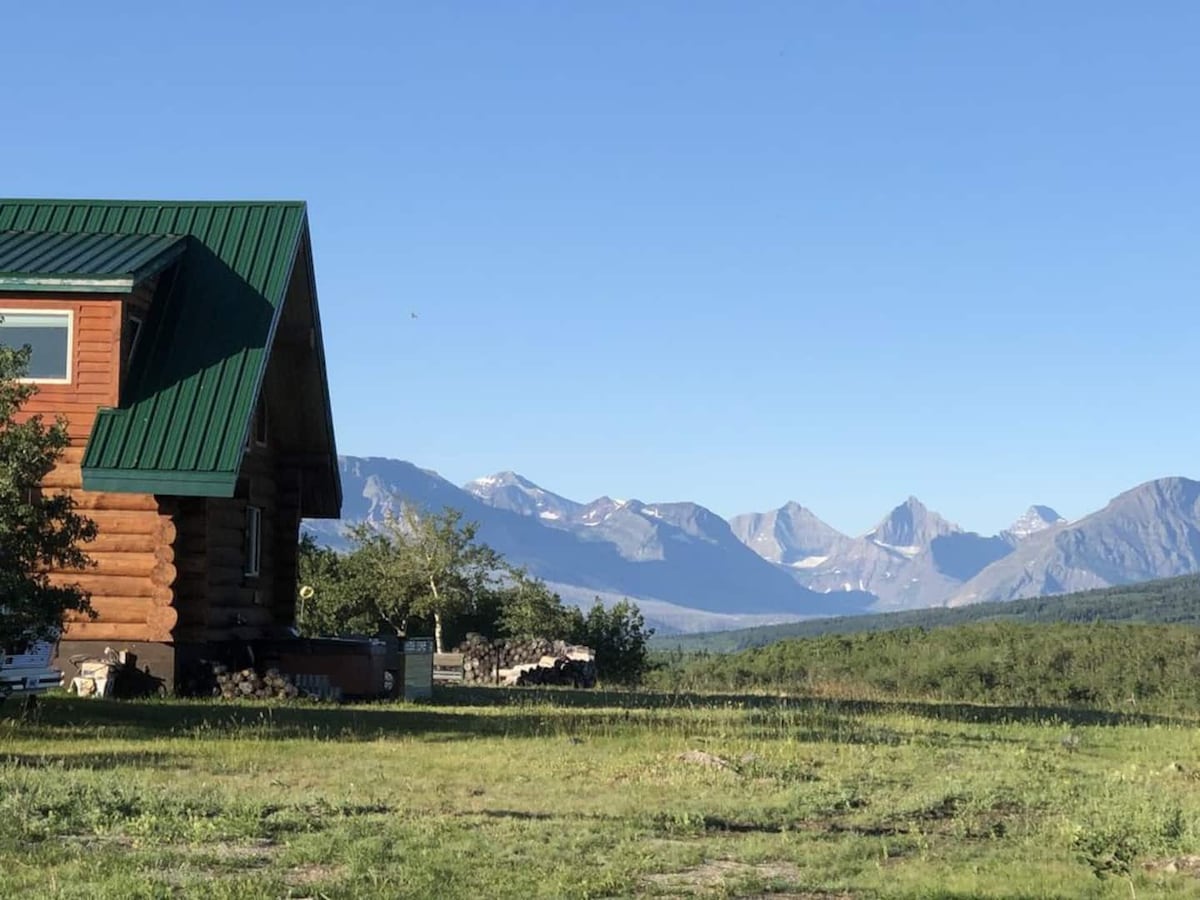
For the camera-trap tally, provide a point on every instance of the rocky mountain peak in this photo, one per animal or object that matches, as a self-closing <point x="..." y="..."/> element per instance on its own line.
<point x="791" y="535"/>
<point x="508" y="490"/>
<point x="1036" y="518"/>
<point x="911" y="526"/>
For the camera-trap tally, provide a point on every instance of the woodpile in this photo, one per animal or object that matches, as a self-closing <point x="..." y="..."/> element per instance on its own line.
<point x="244" y="684"/>
<point x="526" y="661"/>
<point x="565" y="671"/>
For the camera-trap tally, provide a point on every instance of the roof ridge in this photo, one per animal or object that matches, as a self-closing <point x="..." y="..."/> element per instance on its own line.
<point x="69" y="201"/>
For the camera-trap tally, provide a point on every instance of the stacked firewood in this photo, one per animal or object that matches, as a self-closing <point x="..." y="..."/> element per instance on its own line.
<point x="573" y="671"/>
<point x="490" y="662"/>
<point x="243" y="684"/>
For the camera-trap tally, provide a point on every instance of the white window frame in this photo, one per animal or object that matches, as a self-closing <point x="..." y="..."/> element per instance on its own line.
<point x="253" y="566"/>
<point x="69" y="315"/>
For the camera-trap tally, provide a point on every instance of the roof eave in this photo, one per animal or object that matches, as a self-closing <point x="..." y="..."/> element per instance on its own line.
<point x="58" y="284"/>
<point x="114" y="283"/>
<point x="169" y="483"/>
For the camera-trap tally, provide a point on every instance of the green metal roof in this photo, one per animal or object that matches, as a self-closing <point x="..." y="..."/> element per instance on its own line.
<point x="65" y="261"/>
<point x="202" y="354"/>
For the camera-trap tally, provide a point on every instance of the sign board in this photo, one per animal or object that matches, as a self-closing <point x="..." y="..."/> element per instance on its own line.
<point x="418" y="668"/>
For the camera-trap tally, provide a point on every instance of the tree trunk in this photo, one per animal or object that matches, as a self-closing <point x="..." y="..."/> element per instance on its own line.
<point x="437" y="616"/>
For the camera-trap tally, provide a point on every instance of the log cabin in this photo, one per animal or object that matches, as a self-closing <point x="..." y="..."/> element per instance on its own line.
<point x="181" y="342"/>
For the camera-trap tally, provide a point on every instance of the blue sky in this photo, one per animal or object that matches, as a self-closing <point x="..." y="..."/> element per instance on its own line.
<point x="735" y="253"/>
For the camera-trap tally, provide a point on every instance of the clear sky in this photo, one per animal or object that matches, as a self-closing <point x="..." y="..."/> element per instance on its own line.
<point x="736" y="253"/>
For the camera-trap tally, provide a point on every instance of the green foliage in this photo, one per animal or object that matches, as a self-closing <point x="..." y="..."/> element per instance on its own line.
<point x="37" y="532"/>
<point x="619" y="636"/>
<point x="333" y="598"/>
<point x="414" y="570"/>
<point x="1000" y="662"/>
<point x="528" y="608"/>
<point x="448" y="567"/>
<point x="1167" y="601"/>
<point x="423" y="566"/>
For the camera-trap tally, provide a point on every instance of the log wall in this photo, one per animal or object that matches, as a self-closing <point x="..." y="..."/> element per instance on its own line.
<point x="133" y="573"/>
<point x="241" y="606"/>
<point x="165" y="569"/>
<point x="131" y="579"/>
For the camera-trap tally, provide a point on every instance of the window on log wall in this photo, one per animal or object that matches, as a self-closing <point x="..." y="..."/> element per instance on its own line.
<point x="253" y="540"/>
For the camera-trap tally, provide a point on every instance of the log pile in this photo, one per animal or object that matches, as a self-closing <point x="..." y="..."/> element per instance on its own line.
<point x="244" y="684"/>
<point x="576" y="670"/>
<point x="526" y="661"/>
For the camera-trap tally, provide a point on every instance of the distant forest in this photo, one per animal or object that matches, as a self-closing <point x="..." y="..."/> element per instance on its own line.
<point x="1119" y="667"/>
<point x="1169" y="601"/>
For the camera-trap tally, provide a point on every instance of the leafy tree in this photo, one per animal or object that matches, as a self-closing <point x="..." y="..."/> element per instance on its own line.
<point x="38" y="532"/>
<point x="530" y="609"/>
<point x="375" y="582"/>
<point x="450" y="567"/>
<point x="333" y="599"/>
<point x="619" y="636"/>
<point x="426" y="566"/>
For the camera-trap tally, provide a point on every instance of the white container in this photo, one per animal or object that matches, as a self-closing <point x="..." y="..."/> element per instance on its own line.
<point x="27" y="671"/>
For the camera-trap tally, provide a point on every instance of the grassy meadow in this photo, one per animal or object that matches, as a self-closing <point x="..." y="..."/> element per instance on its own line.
<point x="522" y="793"/>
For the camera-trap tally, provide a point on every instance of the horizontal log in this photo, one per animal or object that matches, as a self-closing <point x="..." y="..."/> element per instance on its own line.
<point x="101" y="603"/>
<point x="116" y="609"/>
<point x="124" y="543"/>
<point x="192" y="614"/>
<point x="105" y="502"/>
<point x="227" y="514"/>
<point x="216" y="557"/>
<point x="117" y="586"/>
<point x="140" y="564"/>
<point x="163" y="574"/>
<point x="225" y="579"/>
<point x="72" y="455"/>
<point x="227" y="537"/>
<point x="63" y="475"/>
<point x="128" y="522"/>
<point x="113" y="631"/>
<point x="162" y="619"/>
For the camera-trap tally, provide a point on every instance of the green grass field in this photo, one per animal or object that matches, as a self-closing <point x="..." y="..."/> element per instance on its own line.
<point x="560" y="794"/>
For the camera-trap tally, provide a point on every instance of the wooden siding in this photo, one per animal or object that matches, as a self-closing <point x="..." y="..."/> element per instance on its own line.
<point x="131" y="578"/>
<point x="95" y="345"/>
<point x="133" y="573"/>
<point x="164" y="569"/>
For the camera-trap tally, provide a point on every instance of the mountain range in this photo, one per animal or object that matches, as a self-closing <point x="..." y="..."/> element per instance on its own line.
<point x="690" y="570"/>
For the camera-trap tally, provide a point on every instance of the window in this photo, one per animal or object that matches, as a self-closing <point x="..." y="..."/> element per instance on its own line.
<point x="47" y="334"/>
<point x="133" y="331"/>
<point x="253" y="540"/>
<point x="257" y="436"/>
<point x="260" y="425"/>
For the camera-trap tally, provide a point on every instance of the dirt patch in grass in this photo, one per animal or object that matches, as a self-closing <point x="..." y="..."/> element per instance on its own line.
<point x="258" y="851"/>
<point x="1184" y="865"/>
<point x="312" y="873"/>
<point x="717" y="873"/>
